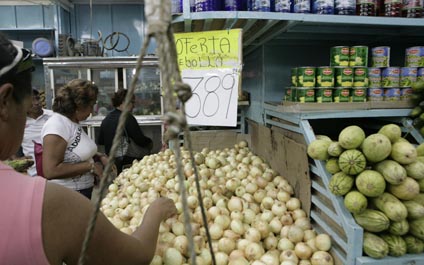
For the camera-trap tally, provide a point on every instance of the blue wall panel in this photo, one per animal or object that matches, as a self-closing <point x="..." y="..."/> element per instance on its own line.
<point x="29" y="16"/>
<point x="129" y="19"/>
<point x="48" y="16"/>
<point x="101" y="21"/>
<point x="7" y="17"/>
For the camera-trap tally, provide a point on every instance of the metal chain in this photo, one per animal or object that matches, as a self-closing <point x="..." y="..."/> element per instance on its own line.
<point x="158" y="16"/>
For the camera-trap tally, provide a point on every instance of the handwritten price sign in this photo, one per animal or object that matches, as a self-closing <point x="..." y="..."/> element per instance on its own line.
<point x="210" y="63"/>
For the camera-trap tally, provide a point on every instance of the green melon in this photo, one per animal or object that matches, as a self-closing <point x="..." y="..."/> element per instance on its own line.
<point x="355" y="202"/>
<point x="370" y="183"/>
<point x="399" y="228"/>
<point x="351" y="137"/>
<point x="420" y="150"/>
<point x="352" y="162"/>
<point x="415" y="170"/>
<point x="340" y="183"/>
<point x="407" y="190"/>
<point x="392" y="171"/>
<point x="376" y="147"/>
<point x="413" y="244"/>
<point x="374" y="246"/>
<point x="404" y="153"/>
<point x="397" y="246"/>
<point x="332" y="165"/>
<point x="394" y="209"/>
<point x="372" y="220"/>
<point x="392" y="131"/>
<point x="323" y="137"/>
<point x="335" y="149"/>
<point x="416" y="228"/>
<point x="317" y="149"/>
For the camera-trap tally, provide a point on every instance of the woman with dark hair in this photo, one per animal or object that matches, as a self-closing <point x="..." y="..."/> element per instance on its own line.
<point x="68" y="151"/>
<point x="45" y="223"/>
<point x="132" y="132"/>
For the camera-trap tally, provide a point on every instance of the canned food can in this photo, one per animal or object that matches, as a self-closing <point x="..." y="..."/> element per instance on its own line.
<point x="325" y="76"/>
<point x="323" y="7"/>
<point x="408" y="75"/>
<point x="283" y="6"/>
<point x="358" y="94"/>
<point x="420" y="74"/>
<point x="358" y="56"/>
<point x="305" y="94"/>
<point x="260" y="5"/>
<point x="405" y="93"/>
<point x="360" y="77"/>
<point x="392" y="94"/>
<point x="345" y="7"/>
<point x="324" y="94"/>
<point x="301" y="6"/>
<point x="374" y="77"/>
<point x="288" y="94"/>
<point x="344" y="77"/>
<point x="294" y="76"/>
<point x="390" y="77"/>
<point x="375" y="94"/>
<point x="414" y="56"/>
<point x="381" y="56"/>
<point x="306" y="76"/>
<point x="339" y="56"/>
<point x="341" y="94"/>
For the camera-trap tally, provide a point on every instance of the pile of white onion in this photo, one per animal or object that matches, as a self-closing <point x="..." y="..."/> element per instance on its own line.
<point x="252" y="215"/>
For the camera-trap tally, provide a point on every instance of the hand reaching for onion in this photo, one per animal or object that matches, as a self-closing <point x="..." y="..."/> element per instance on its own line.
<point x="165" y="206"/>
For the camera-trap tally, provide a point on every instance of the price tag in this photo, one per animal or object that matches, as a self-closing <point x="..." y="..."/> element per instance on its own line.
<point x="210" y="63"/>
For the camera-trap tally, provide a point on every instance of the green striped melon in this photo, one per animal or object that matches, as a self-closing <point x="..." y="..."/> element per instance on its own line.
<point x="352" y="162"/>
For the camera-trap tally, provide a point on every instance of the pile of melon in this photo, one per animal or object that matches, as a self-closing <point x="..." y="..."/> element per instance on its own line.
<point x="381" y="177"/>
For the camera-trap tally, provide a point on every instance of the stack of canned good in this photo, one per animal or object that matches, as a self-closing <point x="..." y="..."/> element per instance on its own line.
<point x="393" y="83"/>
<point x="348" y="79"/>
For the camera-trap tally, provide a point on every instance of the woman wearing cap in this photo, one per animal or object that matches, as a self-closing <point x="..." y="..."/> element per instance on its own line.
<point x="68" y="151"/>
<point x="45" y="223"/>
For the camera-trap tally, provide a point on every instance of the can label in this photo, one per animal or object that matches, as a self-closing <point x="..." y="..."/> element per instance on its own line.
<point x="306" y="76"/>
<point x="339" y="56"/>
<point x="344" y="76"/>
<point x="305" y="94"/>
<point x="390" y="77"/>
<point x="294" y="76"/>
<point x="324" y="95"/>
<point x="408" y="75"/>
<point x="323" y="7"/>
<point x="341" y="94"/>
<point x="325" y="76"/>
<point x="414" y="56"/>
<point x="375" y="94"/>
<point x="358" y="56"/>
<point x="374" y="77"/>
<point x="360" y="77"/>
<point x="301" y="6"/>
<point x="392" y="94"/>
<point x="420" y="74"/>
<point x="358" y="94"/>
<point x="283" y="6"/>
<point x="405" y="93"/>
<point x="381" y="56"/>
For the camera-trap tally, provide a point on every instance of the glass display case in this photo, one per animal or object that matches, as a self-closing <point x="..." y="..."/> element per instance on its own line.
<point x="110" y="74"/>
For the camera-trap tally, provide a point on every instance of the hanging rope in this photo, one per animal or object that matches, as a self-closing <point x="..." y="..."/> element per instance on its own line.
<point x="158" y="15"/>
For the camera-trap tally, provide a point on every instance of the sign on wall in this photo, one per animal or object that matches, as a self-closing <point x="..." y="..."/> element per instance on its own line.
<point x="210" y="62"/>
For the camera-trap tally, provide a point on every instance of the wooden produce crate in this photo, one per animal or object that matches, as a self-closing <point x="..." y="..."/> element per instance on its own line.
<point x="327" y="211"/>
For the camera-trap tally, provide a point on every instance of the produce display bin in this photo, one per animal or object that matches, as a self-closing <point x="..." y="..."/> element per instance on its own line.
<point x="328" y="212"/>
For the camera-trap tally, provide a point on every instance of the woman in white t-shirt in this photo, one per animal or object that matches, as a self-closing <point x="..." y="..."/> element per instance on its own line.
<point x="68" y="152"/>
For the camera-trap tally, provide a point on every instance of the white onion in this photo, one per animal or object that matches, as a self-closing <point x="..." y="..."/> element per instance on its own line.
<point x="270" y="243"/>
<point x="237" y="226"/>
<point x="269" y="259"/>
<point x="240" y="191"/>
<point x="263" y="228"/>
<point x="231" y="235"/>
<point x="289" y="255"/>
<point x="295" y="234"/>
<point x="178" y="228"/>
<point x="216" y="231"/>
<point x="181" y="244"/>
<point x="226" y="245"/>
<point x="258" y="262"/>
<point x="305" y="262"/>
<point x="213" y="212"/>
<point x="278" y="208"/>
<point x="248" y="216"/>
<point x="236" y="254"/>
<point x="205" y="254"/>
<point x="221" y="258"/>
<point x="251" y="188"/>
<point x="223" y="220"/>
<point x="235" y="204"/>
<point x="304" y="223"/>
<point x="259" y="195"/>
<point x="236" y="215"/>
<point x="285" y="244"/>
<point x="267" y="203"/>
<point x="253" y="235"/>
<point x="298" y="213"/>
<point x="309" y="234"/>
<point x="323" y="242"/>
<point x="275" y="226"/>
<point x="311" y="244"/>
<point x="173" y="256"/>
<point x="253" y="251"/>
<point x="283" y="196"/>
<point x="286" y="219"/>
<point x="321" y="258"/>
<point x="293" y="204"/>
<point x="302" y="250"/>
<point x="157" y="260"/>
<point x="267" y="216"/>
<point x="242" y="244"/>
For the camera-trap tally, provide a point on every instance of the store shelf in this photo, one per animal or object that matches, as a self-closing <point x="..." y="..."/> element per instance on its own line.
<point x="262" y="27"/>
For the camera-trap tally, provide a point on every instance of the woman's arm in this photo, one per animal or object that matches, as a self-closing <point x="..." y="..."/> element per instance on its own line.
<point x="54" y="148"/>
<point x="135" y="133"/>
<point x="65" y="218"/>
